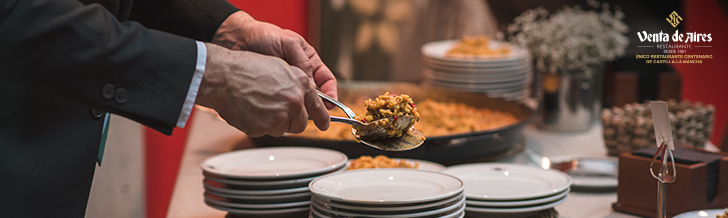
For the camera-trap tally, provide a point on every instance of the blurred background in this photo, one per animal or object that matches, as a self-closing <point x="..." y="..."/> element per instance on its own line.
<point x="380" y="40"/>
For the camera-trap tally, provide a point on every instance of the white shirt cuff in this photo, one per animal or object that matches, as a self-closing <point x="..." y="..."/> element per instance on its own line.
<point x="194" y="85"/>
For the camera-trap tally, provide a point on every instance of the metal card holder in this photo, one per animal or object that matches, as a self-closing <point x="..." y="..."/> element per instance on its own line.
<point x="663" y="175"/>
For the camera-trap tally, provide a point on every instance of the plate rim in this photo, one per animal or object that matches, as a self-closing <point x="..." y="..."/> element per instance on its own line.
<point x="688" y="213"/>
<point x="499" y="64"/>
<point x="517" y="210"/>
<point x="480" y="203"/>
<point x="255" y="192"/>
<point x="319" y="215"/>
<point x="482" y="70"/>
<point x="460" y="205"/>
<point x="513" y="85"/>
<point x="441" y="75"/>
<point x="575" y="179"/>
<point x="258" y="197"/>
<point x="258" y="212"/>
<point x="454" y="199"/>
<point x="206" y="168"/>
<point x="557" y="189"/>
<point x="429" y="82"/>
<point x="515" y="53"/>
<point x="259" y="206"/>
<point x="317" y="192"/>
<point x="274" y="183"/>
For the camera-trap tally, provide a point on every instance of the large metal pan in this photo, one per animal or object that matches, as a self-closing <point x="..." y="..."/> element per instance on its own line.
<point x="445" y="149"/>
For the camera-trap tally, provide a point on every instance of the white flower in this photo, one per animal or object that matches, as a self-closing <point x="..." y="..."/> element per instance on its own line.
<point x="570" y="40"/>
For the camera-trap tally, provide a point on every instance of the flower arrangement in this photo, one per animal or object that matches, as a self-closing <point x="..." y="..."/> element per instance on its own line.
<point x="572" y="39"/>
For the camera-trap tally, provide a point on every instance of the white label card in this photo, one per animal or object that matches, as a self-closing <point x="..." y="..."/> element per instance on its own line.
<point x="661" y="121"/>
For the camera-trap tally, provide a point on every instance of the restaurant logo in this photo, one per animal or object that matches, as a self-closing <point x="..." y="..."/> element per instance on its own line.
<point x="673" y="19"/>
<point x="675" y="47"/>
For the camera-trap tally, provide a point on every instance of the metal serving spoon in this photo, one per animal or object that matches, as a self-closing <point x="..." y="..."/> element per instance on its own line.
<point x="370" y="130"/>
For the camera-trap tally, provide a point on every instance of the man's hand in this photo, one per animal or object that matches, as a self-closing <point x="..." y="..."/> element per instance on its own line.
<point x="241" y="32"/>
<point x="259" y="94"/>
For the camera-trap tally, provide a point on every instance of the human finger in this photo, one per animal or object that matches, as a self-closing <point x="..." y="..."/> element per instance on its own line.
<point x="298" y="122"/>
<point x="293" y="52"/>
<point x="323" y="78"/>
<point x="282" y="126"/>
<point x="316" y="109"/>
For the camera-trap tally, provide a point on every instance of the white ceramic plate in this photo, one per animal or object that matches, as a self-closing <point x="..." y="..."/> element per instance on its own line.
<point x="321" y="212"/>
<point x="285" y="198"/>
<point x="466" y="88"/>
<point x="303" y="181"/>
<point x="458" y="206"/>
<point x="274" y="163"/>
<point x="517" y="67"/>
<point x="525" y="80"/>
<point x="496" y="88"/>
<point x="255" y="192"/>
<point x="477" y="85"/>
<point x="386" y="186"/>
<point x="494" y="62"/>
<point x="431" y="62"/>
<point x="408" y="207"/>
<point x="514" y="94"/>
<point x="520" y="203"/>
<point x="424" y="165"/>
<point x="277" y="212"/>
<point x="525" y="209"/>
<point x="438" y="49"/>
<point x="592" y="182"/>
<point x="472" y="214"/>
<point x="258" y="206"/>
<point x="712" y="213"/>
<point x="459" y="214"/>
<point x="503" y="181"/>
<point x="316" y="214"/>
<point x="271" y="184"/>
<point x="456" y="77"/>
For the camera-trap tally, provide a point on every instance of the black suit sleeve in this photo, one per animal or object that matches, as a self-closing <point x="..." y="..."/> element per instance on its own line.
<point x="65" y="49"/>
<point x="197" y="19"/>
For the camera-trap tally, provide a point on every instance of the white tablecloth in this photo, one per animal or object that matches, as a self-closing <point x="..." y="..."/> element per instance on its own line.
<point x="210" y="136"/>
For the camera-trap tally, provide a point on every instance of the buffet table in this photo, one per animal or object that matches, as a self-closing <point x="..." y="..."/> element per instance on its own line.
<point x="210" y="136"/>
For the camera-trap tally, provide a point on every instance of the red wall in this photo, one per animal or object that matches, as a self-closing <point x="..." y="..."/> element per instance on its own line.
<point x="288" y="14"/>
<point x="163" y="154"/>
<point x="707" y="82"/>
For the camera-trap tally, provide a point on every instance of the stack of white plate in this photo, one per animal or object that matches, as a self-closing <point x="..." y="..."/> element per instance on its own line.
<point x="267" y="182"/>
<point x="389" y="193"/>
<point x="510" y="190"/>
<point x="506" y="76"/>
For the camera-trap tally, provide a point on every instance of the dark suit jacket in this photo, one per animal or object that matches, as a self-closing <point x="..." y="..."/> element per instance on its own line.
<point x="60" y="60"/>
